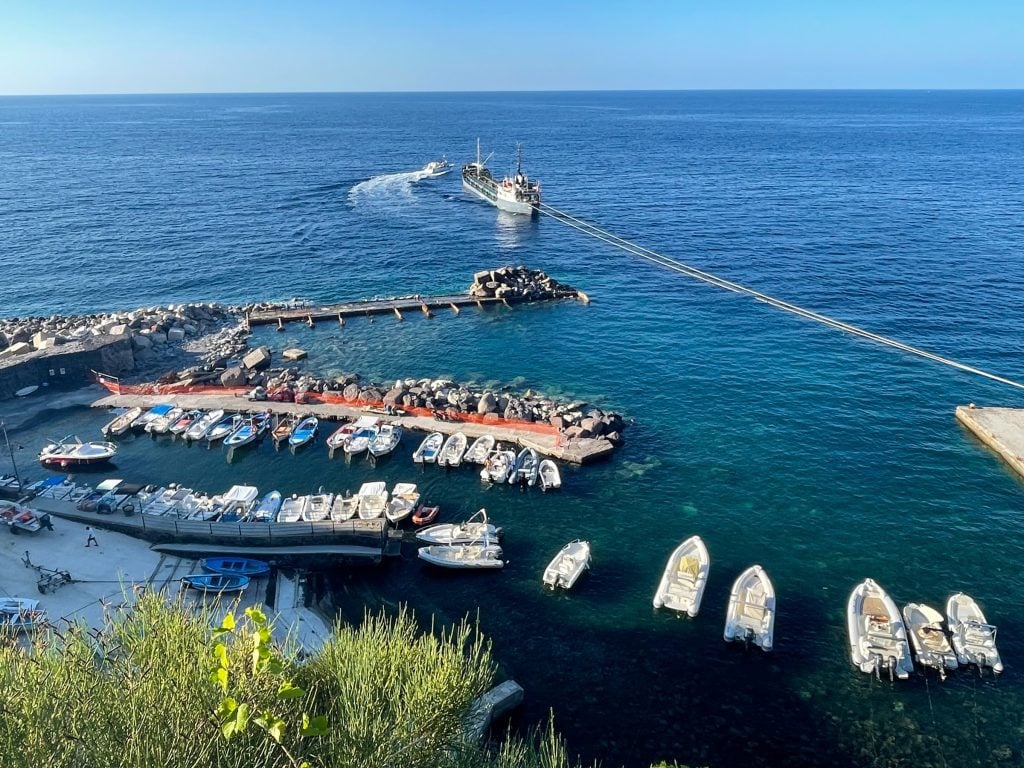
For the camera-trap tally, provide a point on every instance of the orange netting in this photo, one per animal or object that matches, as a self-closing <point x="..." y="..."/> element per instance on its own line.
<point x="328" y="398"/>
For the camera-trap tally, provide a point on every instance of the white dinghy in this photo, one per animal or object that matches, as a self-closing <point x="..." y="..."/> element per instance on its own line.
<point x="344" y="507"/>
<point x="878" y="639"/>
<point x="453" y="451"/>
<point x="405" y="499"/>
<point x="568" y="565"/>
<point x="928" y="638"/>
<point x="974" y="639"/>
<point x="292" y="509"/>
<point x="750" y="617"/>
<point x="479" y="450"/>
<point x="686" y="574"/>
<point x="497" y="466"/>
<point x="429" y="448"/>
<point x="199" y="428"/>
<point x="476" y="527"/>
<point x="373" y="500"/>
<point x="550" y="477"/>
<point x="477" y="555"/>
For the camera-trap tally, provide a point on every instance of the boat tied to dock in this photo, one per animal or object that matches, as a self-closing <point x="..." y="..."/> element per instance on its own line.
<point x="515" y="194"/>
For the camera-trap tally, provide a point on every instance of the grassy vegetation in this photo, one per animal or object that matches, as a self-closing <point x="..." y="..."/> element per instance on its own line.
<point x="159" y="687"/>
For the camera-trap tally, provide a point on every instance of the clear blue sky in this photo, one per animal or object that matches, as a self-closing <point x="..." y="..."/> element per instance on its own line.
<point x="151" y="46"/>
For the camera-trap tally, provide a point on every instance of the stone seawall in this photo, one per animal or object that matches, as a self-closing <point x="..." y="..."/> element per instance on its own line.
<point x="68" y="366"/>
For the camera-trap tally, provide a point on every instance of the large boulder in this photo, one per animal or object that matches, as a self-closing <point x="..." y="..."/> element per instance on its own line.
<point x="141" y="341"/>
<point x="351" y="392"/>
<point x="176" y="335"/>
<point x="257" y="359"/>
<point x="594" y="426"/>
<point x="394" y="396"/>
<point x="233" y="377"/>
<point x="488" y="403"/>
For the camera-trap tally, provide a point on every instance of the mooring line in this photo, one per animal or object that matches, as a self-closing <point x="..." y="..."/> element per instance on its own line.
<point x="668" y="262"/>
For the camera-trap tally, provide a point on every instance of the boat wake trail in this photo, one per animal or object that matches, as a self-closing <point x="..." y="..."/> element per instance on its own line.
<point x="386" y="187"/>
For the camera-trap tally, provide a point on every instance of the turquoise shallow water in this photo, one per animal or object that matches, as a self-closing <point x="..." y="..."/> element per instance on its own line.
<point x="823" y="457"/>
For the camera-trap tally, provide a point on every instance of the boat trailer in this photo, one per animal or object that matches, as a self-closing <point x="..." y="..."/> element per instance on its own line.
<point x="50" y="579"/>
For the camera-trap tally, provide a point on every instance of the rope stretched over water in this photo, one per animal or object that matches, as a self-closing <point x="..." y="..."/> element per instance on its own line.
<point x="685" y="269"/>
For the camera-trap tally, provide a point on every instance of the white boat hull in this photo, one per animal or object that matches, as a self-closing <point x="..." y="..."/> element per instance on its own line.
<point x="568" y="565"/>
<point x="878" y="637"/>
<point x="750" y="616"/>
<point x="973" y="638"/>
<point x="686" y="574"/>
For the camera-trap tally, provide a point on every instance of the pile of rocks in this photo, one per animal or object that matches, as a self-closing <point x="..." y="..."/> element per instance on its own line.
<point x="519" y="283"/>
<point x="151" y="330"/>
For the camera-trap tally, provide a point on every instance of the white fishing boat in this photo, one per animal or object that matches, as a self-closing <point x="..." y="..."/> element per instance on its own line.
<point x="479" y="450"/>
<point x="373" y="500"/>
<point x="226" y="426"/>
<point x="497" y="466"/>
<point x="477" y="555"/>
<point x="750" y="616"/>
<point x="184" y="422"/>
<point x="340" y="436"/>
<point x="436" y="168"/>
<point x="386" y="440"/>
<point x="429" y="448"/>
<point x="928" y="638"/>
<point x="161" y="424"/>
<point x="568" y="565"/>
<point x="70" y="452"/>
<point x="473" y="529"/>
<point x="156" y="411"/>
<point x="121" y="423"/>
<point x="526" y="467"/>
<point x="197" y="429"/>
<point x="344" y="508"/>
<point x="686" y="574"/>
<point x="292" y="509"/>
<point x="365" y="432"/>
<point x="878" y="638"/>
<point x="550" y="477"/>
<point x="168" y="501"/>
<point x="974" y="639"/>
<point x="266" y="511"/>
<point x="318" y="508"/>
<point x="453" y="451"/>
<point x="405" y="498"/>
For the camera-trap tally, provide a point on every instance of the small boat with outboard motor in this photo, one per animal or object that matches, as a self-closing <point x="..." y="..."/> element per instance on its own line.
<point x="750" y="616"/>
<point x="437" y="168"/>
<point x="198" y="429"/>
<point x="686" y="574"/>
<point x="469" y="530"/>
<point x="974" y="639"/>
<point x="429" y="448"/>
<point x="71" y="451"/>
<point x="878" y="637"/>
<point x="479" y="450"/>
<point x="121" y="423"/>
<point x="568" y="565"/>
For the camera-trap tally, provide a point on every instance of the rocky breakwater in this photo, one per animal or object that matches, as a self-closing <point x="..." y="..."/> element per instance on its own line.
<point x="520" y="284"/>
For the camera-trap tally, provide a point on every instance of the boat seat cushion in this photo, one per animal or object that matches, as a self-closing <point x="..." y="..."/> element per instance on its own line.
<point x="689" y="566"/>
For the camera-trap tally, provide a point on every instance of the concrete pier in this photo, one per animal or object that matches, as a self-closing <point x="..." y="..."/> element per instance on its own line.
<point x="1001" y="429"/>
<point x="546" y="441"/>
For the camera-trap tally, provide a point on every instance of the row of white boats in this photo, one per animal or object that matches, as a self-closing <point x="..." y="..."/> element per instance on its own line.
<point x="367" y="434"/>
<point x="878" y="632"/>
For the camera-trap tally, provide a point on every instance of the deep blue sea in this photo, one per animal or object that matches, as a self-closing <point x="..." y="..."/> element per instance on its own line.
<point x="823" y="457"/>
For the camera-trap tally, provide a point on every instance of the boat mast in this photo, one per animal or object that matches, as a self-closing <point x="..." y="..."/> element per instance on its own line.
<point x="477" y="151"/>
<point x="10" y="449"/>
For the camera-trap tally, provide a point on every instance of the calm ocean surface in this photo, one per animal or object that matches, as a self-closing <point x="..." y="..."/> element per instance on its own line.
<point x="823" y="457"/>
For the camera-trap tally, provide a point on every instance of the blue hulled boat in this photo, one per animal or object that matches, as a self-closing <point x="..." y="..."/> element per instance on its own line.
<point x="216" y="582"/>
<point x="243" y="566"/>
<point x="304" y="432"/>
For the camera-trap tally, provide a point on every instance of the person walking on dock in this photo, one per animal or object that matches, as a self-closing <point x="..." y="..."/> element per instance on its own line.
<point x="91" y="534"/>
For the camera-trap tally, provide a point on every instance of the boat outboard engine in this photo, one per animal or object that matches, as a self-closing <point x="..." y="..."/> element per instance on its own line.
<point x="748" y="636"/>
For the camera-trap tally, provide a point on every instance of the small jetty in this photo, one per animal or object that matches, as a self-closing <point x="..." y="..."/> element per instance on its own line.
<point x="1001" y="429"/>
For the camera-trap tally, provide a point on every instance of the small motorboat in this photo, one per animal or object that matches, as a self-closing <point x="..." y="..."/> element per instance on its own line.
<point x="878" y="638"/>
<point x="453" y="450"/>
<point x="318" y="508"/>
<point x="429" y="448"/>
<point x="161" y="424"/>
<point x="436" y="168"/>
<point x="686" y="575"/>
<point x="497" y="466"/>
<point x="340" y="436"/>
<point x="121" y="423"/>
<point x="216" y="582"/>
<point x="974" y="639"/>
<point x="266" y="511"/>
<point x="243" y="566"/>
<point x="425" y="514"/>
<point x="480" y="450"/>
<point x="405" y="499"/>
<point x="526" y="468"/>
<point x="19" y="518"/>
<point x="750" y="617"/>
<point x="249" y="430"/>
<point x="184" y="422"/>
<point x="292" y="509"/>
<point x="156" y="411"/>
<point x="385" y="441"/>
<point x="224" y="427"/>
<point x="476" y="527"/>
<point x="373" y="500"/>
<point x="304" y="432"/>
<point x="198" y="429"/>
<point x="344" y="508"/>
<point x="477" y="555"/>
<point x="26" y="391"/>
<point x="365" y="431"/>
<point x="284" y="425"/>
<point x="928" y="638"/>
<point x="70" y="452"/>
<point x="550" y="477"/>
<point x="20" y="614"/>
<point x="568" y="565"/>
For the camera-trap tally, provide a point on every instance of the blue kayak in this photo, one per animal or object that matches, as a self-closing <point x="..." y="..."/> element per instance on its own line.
<point x="304" y="432"/>
<point x="216" y="582"/>
<point x="243" y="566"/>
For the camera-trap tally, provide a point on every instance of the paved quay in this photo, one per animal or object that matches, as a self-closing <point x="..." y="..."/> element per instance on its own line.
<point x="1001" y="429"/>
<point x="542" y="438"/>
